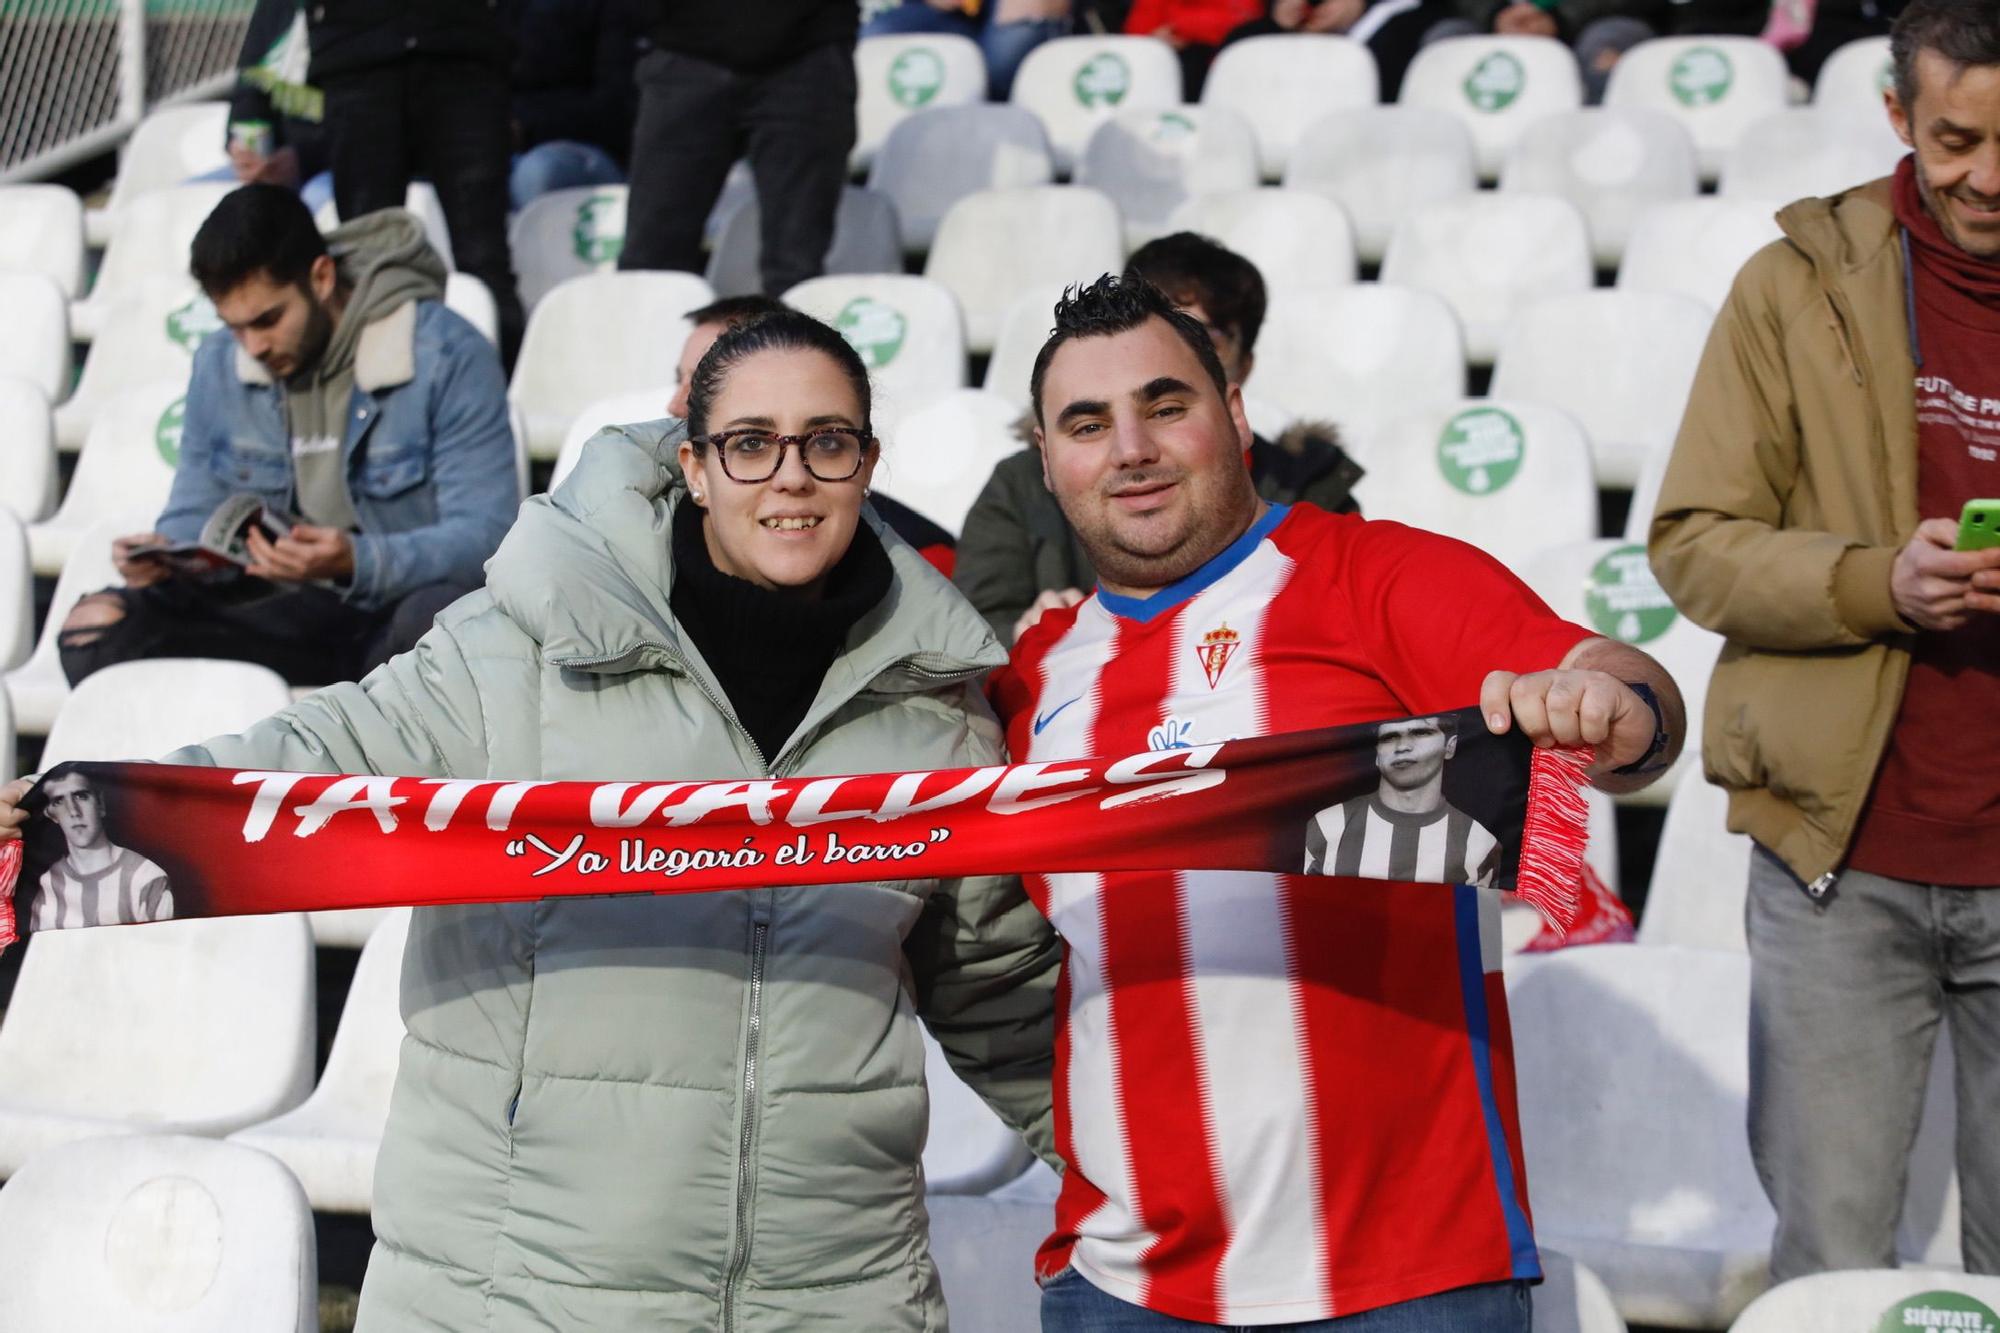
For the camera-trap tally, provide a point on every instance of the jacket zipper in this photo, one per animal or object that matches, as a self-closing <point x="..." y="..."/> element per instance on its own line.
<point x="739" y="1250"/>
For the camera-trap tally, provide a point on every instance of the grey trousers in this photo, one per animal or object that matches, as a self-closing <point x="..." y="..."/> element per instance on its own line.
<point x="1845" y="999"/>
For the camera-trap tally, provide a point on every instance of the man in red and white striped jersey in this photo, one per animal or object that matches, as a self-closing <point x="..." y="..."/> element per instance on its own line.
<point x="98" y="883"/>
<point x="1282" y="1100"/>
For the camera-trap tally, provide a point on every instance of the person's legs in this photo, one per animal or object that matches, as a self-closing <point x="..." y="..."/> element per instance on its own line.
<point x="1599" y="46"/>
<point x="1845" y="1000"/>
<point x="1972" y="1001"/>
<point x="1007" y="44"/>
<point x="917" y="16"/>
<point x="1396" y="41"/>
<point x="367" y="139"/>
<point x="307" y="635"/>
<point x="562" y="164"/>
<point x="686" y="137"/>
<point x="459" y="122"/>
<point x="800" y="120"/>
<point x="408" y="621"/>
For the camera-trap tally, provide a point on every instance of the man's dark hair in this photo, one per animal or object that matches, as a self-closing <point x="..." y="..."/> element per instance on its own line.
<point x="734" y="310"/>
<point x="785" y="330"/>
<point x="1193" y="270"/>
<point x="256" y="229"/>
<point x="1965" y="32"/>
<point x="1115" y="304"/>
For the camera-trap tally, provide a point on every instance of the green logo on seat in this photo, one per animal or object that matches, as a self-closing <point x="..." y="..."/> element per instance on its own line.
<point x="915" y="76"/>
<point x="167" y="431"/>
<point x="874" y="330"/>
<point x="1495" y="82"/>
<point x="1938" y="1312"/>
<point x="1103" y="80"/>
<point x="1480" y="450"/>
<point x="189" y="323"/>
<point x="1701" y="76"/>
<point x="1885" y="78"/>
<point x="1623" y="599"/>
<point x="599" y="234"/>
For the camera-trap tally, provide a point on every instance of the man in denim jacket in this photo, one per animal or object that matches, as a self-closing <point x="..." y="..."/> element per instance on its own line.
<point x="369" y="421"/>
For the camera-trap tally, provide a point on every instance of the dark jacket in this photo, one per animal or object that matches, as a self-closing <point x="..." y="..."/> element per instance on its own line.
<point x="270" y="86"/>
<point x="353" y="35"/>
<point x="573" y="73"/>
<point x="1016" y="544"/>
<point x="750" y="38"/>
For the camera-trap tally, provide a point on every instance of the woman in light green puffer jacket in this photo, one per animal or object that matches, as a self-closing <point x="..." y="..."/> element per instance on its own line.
<point x="703" y="1111"/>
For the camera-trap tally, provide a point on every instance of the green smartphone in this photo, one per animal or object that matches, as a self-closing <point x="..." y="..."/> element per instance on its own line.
<point x="1979" y="525"/>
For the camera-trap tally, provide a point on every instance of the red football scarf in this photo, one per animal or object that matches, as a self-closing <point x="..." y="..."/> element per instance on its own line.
<point x="128" y="842"/>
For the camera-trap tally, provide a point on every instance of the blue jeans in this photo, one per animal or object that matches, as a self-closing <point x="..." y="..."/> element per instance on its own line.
<point x="560" y="164"/>
<point x="1005" y="45"/>
<point x="1071" y="1304"/>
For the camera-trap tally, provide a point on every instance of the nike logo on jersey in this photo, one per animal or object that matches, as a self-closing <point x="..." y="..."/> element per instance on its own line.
<point x="1042" y="720"/>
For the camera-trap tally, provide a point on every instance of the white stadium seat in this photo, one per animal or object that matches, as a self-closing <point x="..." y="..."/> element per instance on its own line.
<point x="940" y="457"/>
<point x="597" y="335"/>
<point x="41" y="231"/>
<point x="1608" y="586"/>
<point x="1029" y="320"/>
<point x="127" y="466"/>
<point x="565" y="234"/>
<point x="1382" y="164"/>
<point x="970" y="1150"/>
<point x="1700" y="873"/>
<point x="171" y="146"/>
<point x="907" y="329"/>
<point x="1498" y="85"/>
<point x="937" y="157"/>
<point x="1572" y="1299"/>
<point x="189" y="1027"/>
<point x="997" y="243"/>
<point x="34" y="336"/>
<point x="1510" y="478"/>
<point x="17" y="606"/>
<point x="1694" y="247"/>
<point x="899" y="75"/>
<point x="1489" y="254"/>
<point x="984" y="1249"/>
<point x="472" y="300"/>
<point x="330" y="1142"/>
<point x="152" y="239"/>
<point x="1283" y="82"/>
<point x="28" y="470"/>
<point x="421" y="199"/>
<point x="1854" y="78"/>
<point x="159" y="1233"/>
<point x="1620" y="362"/>
<point x="1152" y="162"/>
<point x="37" y="688"/>
<point x="1716" y="86"/>
<point x="1076" y="83"/>
<point x="8" y="759"/>
<point x="143" y="709"/>
<point x="1615" y="165"/>
<point x="1865" y="1300"/>
<point x="866" y="239"/>
<point x="1294" y="237"/>
<point x="1805" y="152"/>
<point x="617" y="409"/>
<point x="1640" y="1168"/>
<point x="150" y="335"/>
<point x="1359" y="357"/>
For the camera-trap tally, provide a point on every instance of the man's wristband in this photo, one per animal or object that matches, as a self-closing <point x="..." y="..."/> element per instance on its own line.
<point x="1661" y="740"/>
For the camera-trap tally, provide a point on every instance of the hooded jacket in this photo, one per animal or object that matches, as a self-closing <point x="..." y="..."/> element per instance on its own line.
<point x="702" y="1111"/>
<point x="1791" y="488"/>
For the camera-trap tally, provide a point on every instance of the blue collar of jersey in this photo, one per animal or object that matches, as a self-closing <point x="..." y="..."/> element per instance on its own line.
<point x="1155" y="604"/>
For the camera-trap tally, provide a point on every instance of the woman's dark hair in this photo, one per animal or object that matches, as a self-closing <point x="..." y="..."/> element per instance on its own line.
<point x="1965" y="32"/>
<point x="783" y="330"/>
<point x="255" y="229"/>
<point x="1193" y="269"/>
<point x="1114" y="305"/>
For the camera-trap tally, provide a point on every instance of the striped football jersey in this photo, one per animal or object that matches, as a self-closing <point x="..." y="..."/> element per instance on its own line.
<point x="130" y="889"/>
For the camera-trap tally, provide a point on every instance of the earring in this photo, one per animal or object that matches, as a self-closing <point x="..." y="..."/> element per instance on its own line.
<point x="695" y="496"/>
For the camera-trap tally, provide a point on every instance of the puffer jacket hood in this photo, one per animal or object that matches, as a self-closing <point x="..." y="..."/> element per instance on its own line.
<point x="697" y="1111"/>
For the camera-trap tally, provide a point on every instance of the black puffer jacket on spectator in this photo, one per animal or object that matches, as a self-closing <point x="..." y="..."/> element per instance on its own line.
<point x="749" y="37"/>
<point x="360" y="34"/>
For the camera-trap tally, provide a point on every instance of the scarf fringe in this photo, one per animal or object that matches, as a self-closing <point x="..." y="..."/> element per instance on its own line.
<point x="1554" y="834"/>
<point x="10" y="876"/>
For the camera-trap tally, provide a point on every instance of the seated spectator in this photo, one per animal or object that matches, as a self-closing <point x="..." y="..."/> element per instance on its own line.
<point x="353" y="428"/>
<point x="275" y="135"/>
<point x="717" y="318"/>
<point x="1006" y="30"/>
<point x="1017" y="556"/>
<point x="1196" y="29"/>
<point x="574" y="97"/>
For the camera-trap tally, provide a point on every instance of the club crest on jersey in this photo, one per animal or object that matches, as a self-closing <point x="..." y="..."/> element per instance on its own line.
<point x="1215" y="649"/>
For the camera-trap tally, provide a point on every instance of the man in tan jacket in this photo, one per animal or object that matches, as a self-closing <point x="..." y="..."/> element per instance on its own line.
<point x="1847" y="407"/>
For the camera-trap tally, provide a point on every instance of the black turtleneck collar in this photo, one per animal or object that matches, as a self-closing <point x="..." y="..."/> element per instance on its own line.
<point x="770" y="649"/>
